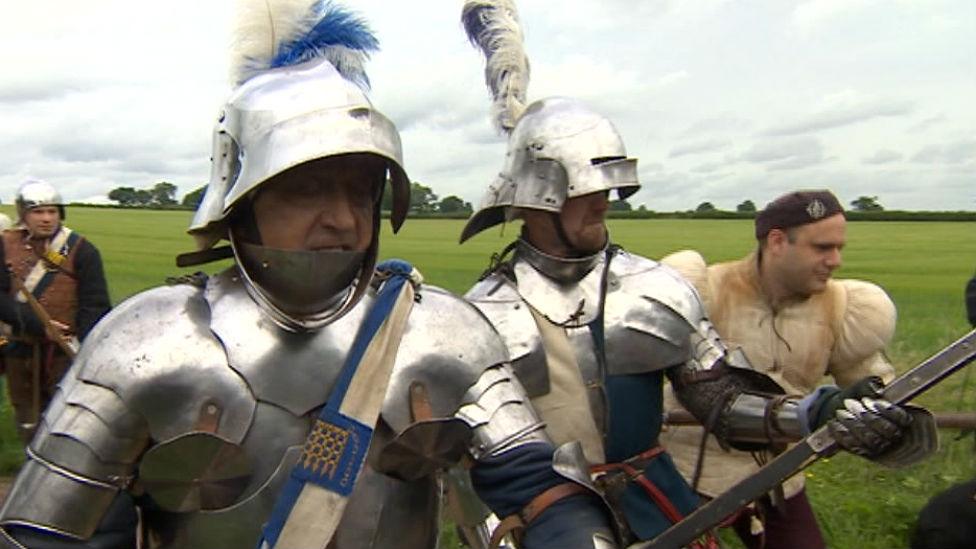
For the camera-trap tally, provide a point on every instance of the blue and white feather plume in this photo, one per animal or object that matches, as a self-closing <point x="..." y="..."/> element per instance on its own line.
<point x="269" y="34"/>
<point x="493" y="26"/>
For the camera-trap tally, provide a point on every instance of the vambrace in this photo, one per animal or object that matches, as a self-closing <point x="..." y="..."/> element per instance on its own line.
<point x="741" y="407"/>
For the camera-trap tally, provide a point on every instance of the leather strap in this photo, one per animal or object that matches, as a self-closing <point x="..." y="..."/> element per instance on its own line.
<point x="630" y="468"/>
<point x="516" y="523"/>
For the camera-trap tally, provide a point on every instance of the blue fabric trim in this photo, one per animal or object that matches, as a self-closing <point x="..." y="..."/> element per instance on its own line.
<point x="385" y="300"/>
<point x="508" y="482"/>
<point x="336" y="447"/>
<point x="644" y="516"/>
<point x="346" y="443"/>
<point x="809" y="406"/>
<point x="635" y="404"/>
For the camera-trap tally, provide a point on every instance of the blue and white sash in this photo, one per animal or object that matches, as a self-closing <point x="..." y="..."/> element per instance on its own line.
<point x="311" y="504"/>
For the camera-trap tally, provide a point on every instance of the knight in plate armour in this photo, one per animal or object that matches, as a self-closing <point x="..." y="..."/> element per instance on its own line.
<point x="593" y="331"/>
<point x="304" y="397"/>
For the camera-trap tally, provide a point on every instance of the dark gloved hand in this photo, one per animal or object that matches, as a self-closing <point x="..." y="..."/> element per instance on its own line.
<point x="869" y="427"/>
<point x="866" y="425"/>
<point x="832" y="399"/>
<point x="859" y="420"/>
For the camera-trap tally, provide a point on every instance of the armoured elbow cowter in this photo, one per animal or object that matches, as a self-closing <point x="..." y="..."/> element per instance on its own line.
<point x="499" y="414"/>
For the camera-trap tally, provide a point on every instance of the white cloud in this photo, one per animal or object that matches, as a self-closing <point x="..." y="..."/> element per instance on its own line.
<point x="699" y="147"/>
<point x="883" y="156"/>
<point x="809" y="15"/>
<point x="717" y="99"/>
<point x="774" y="150"/>
<point x="842" y="109"/>
<point x="960" y="152"/>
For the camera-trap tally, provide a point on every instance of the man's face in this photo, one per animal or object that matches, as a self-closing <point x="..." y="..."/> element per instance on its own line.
<point x="322" y="205"/>
<point x="806" y="264"/>
<point x="42" y="221"/>
<point x="583" y="219"/>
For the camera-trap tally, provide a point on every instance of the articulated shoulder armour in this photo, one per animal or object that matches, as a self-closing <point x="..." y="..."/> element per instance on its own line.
<point x="652" y="299"/>
<point x="447" y="346"/>
<point x="199" y="400"/>
<point x="653" y="318"/>
<point x="149" y="372"/>
<point x="499" y="300"/>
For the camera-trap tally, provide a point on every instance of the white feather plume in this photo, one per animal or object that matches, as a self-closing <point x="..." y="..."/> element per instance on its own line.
<point x="261" y="26"/>
<point x="493" y="26"/>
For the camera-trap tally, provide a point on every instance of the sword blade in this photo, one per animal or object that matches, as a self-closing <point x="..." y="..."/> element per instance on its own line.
<point x="819" y="444"/>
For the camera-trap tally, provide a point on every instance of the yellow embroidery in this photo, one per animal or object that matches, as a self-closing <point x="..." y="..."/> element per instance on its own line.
<point x="55" y="257"/>
<point x="324" y="447"/>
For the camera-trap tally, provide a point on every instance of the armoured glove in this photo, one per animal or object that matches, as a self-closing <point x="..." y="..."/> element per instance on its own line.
<point x="868" y="426"/>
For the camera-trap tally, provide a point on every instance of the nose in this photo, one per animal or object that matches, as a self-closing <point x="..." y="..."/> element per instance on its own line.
<point x="834" y="259"/>
<point x="336" y="209"/>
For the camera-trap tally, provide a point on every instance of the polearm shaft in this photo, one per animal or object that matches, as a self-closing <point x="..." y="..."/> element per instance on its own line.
<point x="944" y="420"/>
<point x="906" y="387"/>
<point x="42" y="315"/>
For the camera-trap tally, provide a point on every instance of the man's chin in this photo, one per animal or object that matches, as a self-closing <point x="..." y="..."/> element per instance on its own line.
<point x="818" y="286"/>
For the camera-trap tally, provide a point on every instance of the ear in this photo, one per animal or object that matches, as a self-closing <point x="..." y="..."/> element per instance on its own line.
<point x="776" y="240"/>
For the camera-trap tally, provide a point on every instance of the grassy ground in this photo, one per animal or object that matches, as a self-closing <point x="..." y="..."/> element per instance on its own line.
<point x="923" y="265"/>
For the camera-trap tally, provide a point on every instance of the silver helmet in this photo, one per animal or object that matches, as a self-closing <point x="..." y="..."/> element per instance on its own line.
<point x="34" y="193"/>
<point x="558" y="148"/>
<point x="283" y="116"/>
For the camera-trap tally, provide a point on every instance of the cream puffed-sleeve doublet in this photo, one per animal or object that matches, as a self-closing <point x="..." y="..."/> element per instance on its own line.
<point x="840" y="332"/>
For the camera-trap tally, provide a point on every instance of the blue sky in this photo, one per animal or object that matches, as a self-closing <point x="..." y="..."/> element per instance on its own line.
<point x="720" y="100"/>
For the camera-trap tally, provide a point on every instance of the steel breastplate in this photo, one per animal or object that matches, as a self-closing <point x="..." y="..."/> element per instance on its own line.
<point x="177" y="361"/>
<point x="564" y="304"/>
<point x="650" y="315"/>
<point x="290" y="375"/>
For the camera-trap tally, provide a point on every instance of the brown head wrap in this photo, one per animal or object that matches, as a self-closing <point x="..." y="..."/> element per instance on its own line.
<point x="795" y="209"/>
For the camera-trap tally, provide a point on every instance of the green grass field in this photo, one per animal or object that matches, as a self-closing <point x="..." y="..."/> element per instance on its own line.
<point x="923" y="265"/>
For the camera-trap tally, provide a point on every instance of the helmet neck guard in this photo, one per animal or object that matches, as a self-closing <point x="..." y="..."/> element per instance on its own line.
<point x="565" y="270"/>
